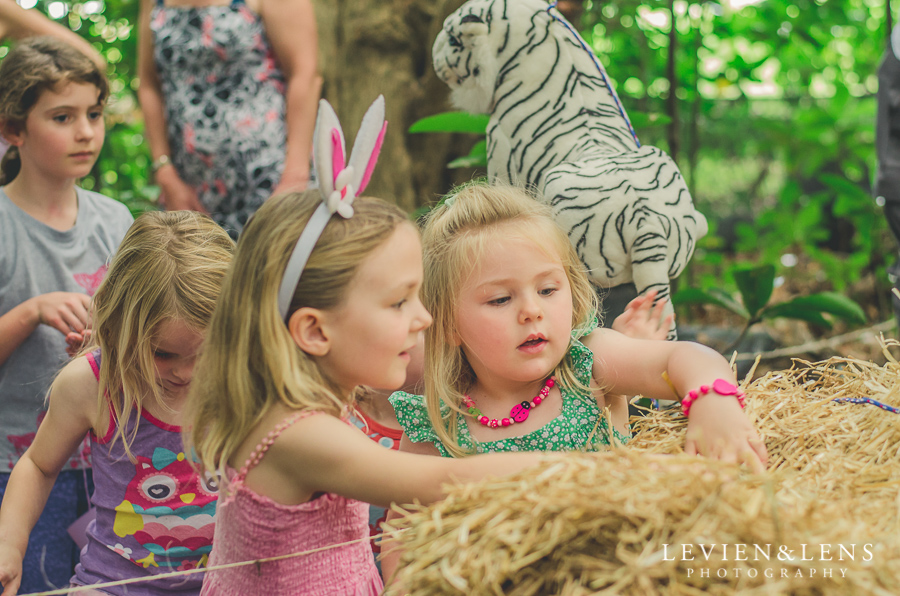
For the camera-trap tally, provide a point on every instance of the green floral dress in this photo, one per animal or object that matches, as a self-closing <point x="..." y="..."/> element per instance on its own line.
<point x="579" y="427"/>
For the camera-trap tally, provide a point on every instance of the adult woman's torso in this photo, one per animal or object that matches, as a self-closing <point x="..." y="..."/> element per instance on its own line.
<point x="224" y="103"/>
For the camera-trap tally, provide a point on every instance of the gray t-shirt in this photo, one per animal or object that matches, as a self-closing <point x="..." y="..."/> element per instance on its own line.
<point x="36" y="259"/>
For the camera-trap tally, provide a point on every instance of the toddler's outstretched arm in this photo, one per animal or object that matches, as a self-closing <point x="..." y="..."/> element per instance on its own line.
<point x="717" y="426"/>
<point x="644" y="320"/>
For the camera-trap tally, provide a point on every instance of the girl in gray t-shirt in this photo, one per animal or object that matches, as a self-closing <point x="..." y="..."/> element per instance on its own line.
<point x="55" y="241"/>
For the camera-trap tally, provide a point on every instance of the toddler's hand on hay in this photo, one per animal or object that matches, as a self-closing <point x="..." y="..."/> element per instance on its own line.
<point x="644" y="320"/>
<point x="718" y="429"/>
<point x="10" y="569"/>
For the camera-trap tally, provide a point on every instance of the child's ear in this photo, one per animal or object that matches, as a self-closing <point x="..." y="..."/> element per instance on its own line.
<point x="10" y="133"/>
<point x="307" y="329"/>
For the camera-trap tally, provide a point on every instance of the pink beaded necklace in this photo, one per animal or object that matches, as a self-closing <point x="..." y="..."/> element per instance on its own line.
<point x="518" y="413"/>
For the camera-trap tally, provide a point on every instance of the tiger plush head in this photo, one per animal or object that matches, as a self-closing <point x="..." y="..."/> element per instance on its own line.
<point x="465" y="60"/>
<point x="479" y="39"/>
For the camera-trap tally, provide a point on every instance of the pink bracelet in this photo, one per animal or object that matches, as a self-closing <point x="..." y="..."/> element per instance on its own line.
<point x="720" y="386"/>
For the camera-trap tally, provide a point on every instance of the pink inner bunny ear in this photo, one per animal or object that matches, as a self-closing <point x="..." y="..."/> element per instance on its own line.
<point x="373" y="159"/>
<point x="337" y="155"/>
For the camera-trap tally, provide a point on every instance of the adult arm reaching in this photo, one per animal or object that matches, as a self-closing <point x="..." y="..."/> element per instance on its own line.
<point x="19" y="23"/>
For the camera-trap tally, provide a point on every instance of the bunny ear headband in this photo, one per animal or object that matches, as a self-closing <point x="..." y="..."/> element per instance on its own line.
<point x="338" y="183"/>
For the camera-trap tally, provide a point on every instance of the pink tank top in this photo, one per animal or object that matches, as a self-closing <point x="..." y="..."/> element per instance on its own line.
<point x="251" y="527"/>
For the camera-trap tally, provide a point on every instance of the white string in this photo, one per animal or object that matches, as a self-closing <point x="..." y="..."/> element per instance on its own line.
<point x="136" y="580"/>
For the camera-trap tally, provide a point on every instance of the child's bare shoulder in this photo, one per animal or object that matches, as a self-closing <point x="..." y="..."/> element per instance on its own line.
<point x="292" y="434"/>
<point x="73" y="398"/>
<point x="76" y="384"/>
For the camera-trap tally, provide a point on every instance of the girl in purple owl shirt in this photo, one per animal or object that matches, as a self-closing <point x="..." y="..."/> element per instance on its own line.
<point x="154" y="513"/>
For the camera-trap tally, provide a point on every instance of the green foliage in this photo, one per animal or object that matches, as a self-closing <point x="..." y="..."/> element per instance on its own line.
<point x="755" y="284"/>
<point x="452" y="122"/>
<point x="712" y="295"/>
<point x="458" y="122"/>
<point x="477" y="157"/>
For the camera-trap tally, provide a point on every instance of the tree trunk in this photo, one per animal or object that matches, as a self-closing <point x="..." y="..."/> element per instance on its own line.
<point x="672" y="100"/>
<point x="372" y="47"/>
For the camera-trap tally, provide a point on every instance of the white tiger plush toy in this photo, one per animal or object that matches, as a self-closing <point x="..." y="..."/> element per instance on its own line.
<point x="557" y="126"/>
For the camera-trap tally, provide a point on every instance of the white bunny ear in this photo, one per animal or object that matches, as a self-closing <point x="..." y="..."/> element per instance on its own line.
<point x="367" y="144"/>
<point x="328" y="147"/>
<point x="339" y="183"/>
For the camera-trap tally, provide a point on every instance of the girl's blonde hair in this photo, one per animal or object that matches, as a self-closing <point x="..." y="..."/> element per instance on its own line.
<point x="250" y="361"/>
<point x="456" y="236"/>
<point x="170" y="266"/>
<point x="31" y="67"/>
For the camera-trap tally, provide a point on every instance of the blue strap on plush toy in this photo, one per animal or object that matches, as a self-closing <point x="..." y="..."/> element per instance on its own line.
<point x="599" y="66"/>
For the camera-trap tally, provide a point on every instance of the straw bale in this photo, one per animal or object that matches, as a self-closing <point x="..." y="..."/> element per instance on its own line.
<point x="618" y="522"/>
<point x="598" y="523"/>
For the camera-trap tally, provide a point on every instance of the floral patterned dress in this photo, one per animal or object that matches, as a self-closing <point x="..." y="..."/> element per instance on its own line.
<point x="225" y="106"/>
<point x="579" y="426"/>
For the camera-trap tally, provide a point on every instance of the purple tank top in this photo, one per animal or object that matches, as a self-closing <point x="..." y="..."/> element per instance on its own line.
<point x="154" y="516"/>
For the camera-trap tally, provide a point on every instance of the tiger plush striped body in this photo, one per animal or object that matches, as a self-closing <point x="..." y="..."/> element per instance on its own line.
<point x="556" y="126"/>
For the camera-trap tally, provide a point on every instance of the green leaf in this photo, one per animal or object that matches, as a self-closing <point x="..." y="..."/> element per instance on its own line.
<point x="756" y="285"/>
<point x="790" y="310"/>
<point x="846" y="187"/>
<point x="452" y="122"/>
<point x="477" y="157"/>
<point x="713" y="296"/>
<point x="832" y="303"/>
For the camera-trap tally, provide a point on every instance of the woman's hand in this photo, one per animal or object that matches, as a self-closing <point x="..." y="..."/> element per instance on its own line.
<point x="296" y="183"/>
<point x="175" y="194"/>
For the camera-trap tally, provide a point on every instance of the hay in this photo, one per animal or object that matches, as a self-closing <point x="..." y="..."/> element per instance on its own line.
<point x="618" y="523"/>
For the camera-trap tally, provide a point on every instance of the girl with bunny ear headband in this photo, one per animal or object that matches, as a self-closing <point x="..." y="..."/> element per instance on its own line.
<point x="299" y="326"/>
